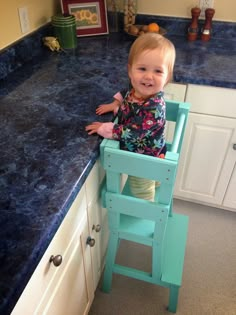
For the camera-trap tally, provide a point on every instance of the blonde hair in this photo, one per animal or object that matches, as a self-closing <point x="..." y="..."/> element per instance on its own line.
<point x="150" y="41"/>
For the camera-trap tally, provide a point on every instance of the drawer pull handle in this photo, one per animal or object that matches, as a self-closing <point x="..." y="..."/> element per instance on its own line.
<point x="234" y="146"/>
<point x="56" y="260"/>
<point x="97" y="227"/>
<point x="90" y="241"/>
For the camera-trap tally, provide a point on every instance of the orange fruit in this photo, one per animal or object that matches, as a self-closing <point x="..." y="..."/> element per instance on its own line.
<point x="153" y="27"/>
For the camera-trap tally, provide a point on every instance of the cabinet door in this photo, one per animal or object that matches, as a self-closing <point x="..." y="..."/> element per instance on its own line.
<point x="207" y="159"/>
<point x="71" y="291"/>
<point x="95" y="227"/>
<point x="97" y="218"/>
<point x="44" y="288"/>
<point x="230" y="196"/>
<point x="98" y="228"/>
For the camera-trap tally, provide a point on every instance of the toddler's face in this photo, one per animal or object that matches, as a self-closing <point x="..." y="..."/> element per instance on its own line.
<point x="148" y="73"/>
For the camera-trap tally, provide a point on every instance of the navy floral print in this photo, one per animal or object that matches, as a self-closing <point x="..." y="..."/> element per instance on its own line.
<point x="140" y="126"/>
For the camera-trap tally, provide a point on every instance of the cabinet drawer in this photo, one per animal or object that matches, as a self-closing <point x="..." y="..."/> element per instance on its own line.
<point x="175" y="92"/>
<point x="46" y="271"/>
<point x="212" y="100"/>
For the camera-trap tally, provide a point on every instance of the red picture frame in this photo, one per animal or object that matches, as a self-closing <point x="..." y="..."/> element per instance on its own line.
<point x="91" y="16"/>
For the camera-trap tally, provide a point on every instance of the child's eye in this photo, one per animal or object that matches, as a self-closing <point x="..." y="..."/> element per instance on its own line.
<point x="141" y="69"/>
<point x="158" y="71"/>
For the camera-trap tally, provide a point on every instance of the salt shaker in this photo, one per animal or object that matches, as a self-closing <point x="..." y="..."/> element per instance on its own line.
<point x="207" y="28"/>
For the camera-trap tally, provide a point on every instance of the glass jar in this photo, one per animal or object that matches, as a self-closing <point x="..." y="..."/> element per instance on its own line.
<point x="112" y="15"/>
<point x="130" y="11"/>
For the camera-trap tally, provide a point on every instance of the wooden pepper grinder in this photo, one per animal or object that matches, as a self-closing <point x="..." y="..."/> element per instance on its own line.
<point x="193" y="28"/>
<point x="206" y="31"/>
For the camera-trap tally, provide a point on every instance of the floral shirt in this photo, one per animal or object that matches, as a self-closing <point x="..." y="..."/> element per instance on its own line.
<point x="140" y="125"/>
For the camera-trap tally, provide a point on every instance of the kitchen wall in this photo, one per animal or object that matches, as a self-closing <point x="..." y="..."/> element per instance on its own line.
<point x="225" y="9"/>
<point x="40" y="13"/>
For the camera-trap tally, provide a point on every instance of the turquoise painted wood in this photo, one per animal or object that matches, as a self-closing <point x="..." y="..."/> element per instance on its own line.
<point x="150" y="223"/>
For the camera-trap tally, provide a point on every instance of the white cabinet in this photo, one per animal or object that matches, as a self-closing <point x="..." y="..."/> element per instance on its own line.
<point x="230" y="196"/>
<point x="207" y="166"/>
<point x="67" y="288"/>
<point x="97" y="218"/>
<point x="98" y="231"/>
<point x="175" y="92"/>
<point x="71" y="292"/>
<point x="208" y="158"/>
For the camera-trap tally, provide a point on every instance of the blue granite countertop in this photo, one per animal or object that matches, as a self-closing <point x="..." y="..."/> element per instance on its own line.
<point x="45" y="153"/>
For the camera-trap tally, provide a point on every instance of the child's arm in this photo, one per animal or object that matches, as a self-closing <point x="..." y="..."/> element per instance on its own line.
<point x="105" y="129"/>
<point x="111" y="107"/>
<point x="106" y="108"/>
<point x="102" y="129"/>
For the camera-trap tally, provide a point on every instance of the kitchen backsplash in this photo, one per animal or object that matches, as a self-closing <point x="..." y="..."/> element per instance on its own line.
<point x="22" y="51"/>
<point x="31" y="46"/>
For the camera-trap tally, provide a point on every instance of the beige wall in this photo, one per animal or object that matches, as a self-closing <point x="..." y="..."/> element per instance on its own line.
<point x="40" y="12"/>
<point x="225" y="10"/>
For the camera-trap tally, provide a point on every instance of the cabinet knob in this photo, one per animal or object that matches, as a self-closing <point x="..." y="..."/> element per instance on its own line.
<point x="97" y="227"/>
<point x="90" y="241"/>
<point x="56" y="260"/>
<point x="234" y="146"/>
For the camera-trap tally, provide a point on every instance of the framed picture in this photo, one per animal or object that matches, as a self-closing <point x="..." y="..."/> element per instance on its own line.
<point x="90" y="15"/>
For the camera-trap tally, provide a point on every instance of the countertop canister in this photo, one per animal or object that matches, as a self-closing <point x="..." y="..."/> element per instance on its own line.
<point x="130" y="11"/>
<point x="64" y="27"/>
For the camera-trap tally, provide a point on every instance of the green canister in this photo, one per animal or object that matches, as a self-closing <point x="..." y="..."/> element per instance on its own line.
<point x="64" y="27"/>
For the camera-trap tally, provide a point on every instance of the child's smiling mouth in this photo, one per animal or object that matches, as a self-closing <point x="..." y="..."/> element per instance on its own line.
<point x="147" y="84"/>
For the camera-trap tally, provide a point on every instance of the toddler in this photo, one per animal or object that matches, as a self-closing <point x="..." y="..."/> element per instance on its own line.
<point x="141" y="114"/>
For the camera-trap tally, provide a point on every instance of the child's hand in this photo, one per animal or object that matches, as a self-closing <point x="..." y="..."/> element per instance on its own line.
<point x="102" y="129"/>
<point x="103" y="108"/>
<point x="93" y="127"/>
<point x="106" y="108"/>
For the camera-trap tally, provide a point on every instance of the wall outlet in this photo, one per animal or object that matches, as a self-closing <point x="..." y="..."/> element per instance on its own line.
<point x="205" y="4"/>
<point x="24" y="19"/>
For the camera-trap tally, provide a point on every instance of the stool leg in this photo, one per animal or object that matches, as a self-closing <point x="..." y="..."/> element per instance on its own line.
<point x="110" y="260"/>
<point x="156" y="261"/>
<point x="173" y="298"/>
<point x="171" y="209"/>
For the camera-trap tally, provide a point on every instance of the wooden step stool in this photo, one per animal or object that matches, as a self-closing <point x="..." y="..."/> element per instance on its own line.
<point x="141" y="221"/>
